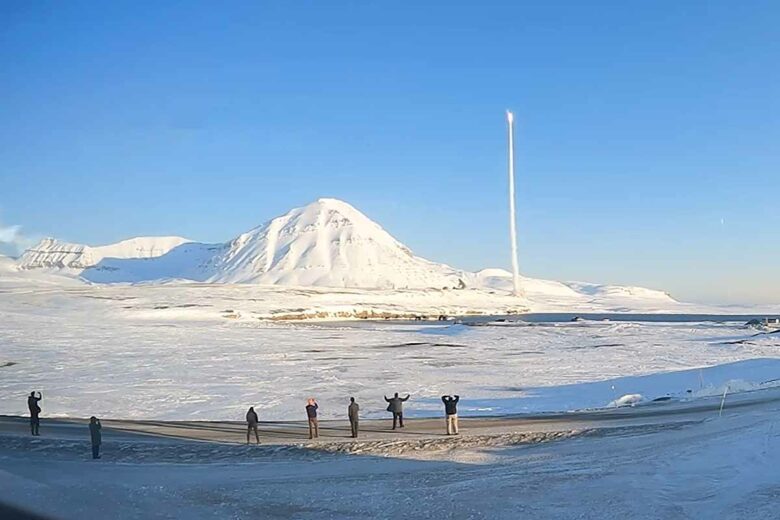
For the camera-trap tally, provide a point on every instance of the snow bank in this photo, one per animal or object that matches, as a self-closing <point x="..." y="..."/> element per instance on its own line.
<point x="626" y="400"/>
<point x="659" y="387"/>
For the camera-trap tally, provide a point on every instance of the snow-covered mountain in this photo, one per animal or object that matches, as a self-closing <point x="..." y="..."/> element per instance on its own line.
<point x="55" y="254"/>
<point x="327" y="243"/>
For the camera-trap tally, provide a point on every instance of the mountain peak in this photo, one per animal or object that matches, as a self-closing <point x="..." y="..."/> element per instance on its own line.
<point x="328" y="242"/>
<point x="336" y="221"/>
<point x="329" y="205"/>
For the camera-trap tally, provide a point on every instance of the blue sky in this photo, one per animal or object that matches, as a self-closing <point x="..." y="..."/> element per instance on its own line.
<point x="647" y="132"/>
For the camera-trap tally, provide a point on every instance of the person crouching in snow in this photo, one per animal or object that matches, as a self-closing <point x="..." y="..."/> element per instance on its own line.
<point x="451" y="411"/>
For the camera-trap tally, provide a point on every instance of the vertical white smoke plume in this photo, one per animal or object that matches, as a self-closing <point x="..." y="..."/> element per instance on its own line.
<point x="517" y="291"/>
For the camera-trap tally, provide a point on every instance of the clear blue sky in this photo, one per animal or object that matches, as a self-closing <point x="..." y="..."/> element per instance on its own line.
<point x="648" y="133"/>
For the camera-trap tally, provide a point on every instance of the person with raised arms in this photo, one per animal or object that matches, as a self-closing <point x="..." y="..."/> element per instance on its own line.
<point x="311" y="414"/>
<point x="451" y="412"/>
<point x="396" y="407"/>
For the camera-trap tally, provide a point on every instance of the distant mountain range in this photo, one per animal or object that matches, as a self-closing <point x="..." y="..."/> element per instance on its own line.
<point x="55" y="254"/>
<point x="327" y="243"/>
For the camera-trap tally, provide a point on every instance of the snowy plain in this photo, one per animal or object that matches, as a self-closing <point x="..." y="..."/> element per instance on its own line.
<point x="172" y="352"/>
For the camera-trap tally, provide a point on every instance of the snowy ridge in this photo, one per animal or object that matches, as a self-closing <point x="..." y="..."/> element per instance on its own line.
<point x="55" y="254"/>
<point x="542" y="291"/>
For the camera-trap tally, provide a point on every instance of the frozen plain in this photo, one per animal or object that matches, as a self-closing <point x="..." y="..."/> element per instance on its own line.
<point x="121" y="352"/>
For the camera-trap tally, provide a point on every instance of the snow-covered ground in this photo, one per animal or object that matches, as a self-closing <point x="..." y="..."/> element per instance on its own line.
<point x="196" y="352"/>
<point x="710" y="467"/>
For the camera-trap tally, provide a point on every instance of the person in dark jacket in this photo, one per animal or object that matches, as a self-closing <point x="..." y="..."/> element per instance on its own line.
<point x="396" y="406"/>
<point x="94" y="433"/>
<point x="251" y="424"/>
<point x="451" y="411"/>
<point x="353" y="411"/>
<point x="311" y="414"/>
<point x="35" y="410"/>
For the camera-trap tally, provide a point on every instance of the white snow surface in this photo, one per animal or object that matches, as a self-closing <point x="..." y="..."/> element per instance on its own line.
<point x="199" y="351"/>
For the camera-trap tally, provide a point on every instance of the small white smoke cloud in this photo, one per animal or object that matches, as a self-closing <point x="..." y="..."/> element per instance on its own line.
<point x="12" y="241"/>
<point x="9" y="234"/>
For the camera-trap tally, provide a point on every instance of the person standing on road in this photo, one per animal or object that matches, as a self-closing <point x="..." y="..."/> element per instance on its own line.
<point x="251" y="424"/>
<point x="451" y="411"/>
<point x="353" y="412"/>
<point x="311" y="414"/>
<point x="35" y="410"/>
<point x="396" y="406"/>
<point x="94" y="433"/>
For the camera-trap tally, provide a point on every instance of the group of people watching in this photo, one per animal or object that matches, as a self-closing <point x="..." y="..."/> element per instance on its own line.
<point x="34" y="405"/>
<point x="395" y="405"/>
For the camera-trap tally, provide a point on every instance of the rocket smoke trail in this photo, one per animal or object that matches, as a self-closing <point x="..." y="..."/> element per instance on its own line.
<point x="510" y="118"/>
